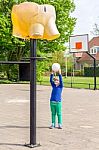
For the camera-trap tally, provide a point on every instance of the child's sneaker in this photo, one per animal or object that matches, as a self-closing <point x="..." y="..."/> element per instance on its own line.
<point x="59" y="126"/>
<point x="52" y="126"/>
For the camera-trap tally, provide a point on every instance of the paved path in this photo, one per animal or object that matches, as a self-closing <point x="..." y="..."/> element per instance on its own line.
<point x="80" y="119"/>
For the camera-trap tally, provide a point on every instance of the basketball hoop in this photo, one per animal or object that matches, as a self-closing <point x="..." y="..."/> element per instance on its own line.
<point x="78" y="43"/>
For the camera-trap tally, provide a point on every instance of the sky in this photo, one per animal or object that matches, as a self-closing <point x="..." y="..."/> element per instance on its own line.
<point x="87" y="14"/>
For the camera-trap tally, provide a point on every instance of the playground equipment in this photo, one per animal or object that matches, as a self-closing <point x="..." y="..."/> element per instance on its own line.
<point x="78" y="44"/>
<point x="33" y="21"/>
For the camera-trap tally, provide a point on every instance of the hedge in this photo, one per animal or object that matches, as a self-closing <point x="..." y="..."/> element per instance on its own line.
<point x="89" y="71"/>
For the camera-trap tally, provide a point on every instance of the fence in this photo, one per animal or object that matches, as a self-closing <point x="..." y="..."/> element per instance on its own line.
<point x="73" y="85"/>
<point x="66" y="84"/>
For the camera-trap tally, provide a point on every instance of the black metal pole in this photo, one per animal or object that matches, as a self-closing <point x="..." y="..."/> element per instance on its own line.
<point x="94" y="69"/>
<point x="94" y="74"/>
<point x="32" y="91"/>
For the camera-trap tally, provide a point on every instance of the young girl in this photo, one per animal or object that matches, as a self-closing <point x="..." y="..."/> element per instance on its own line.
<point x="55" y="99"/>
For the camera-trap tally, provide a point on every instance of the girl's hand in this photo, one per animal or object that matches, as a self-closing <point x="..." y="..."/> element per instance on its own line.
<point x="59" y="71"/>
<point x="53" y="72"/>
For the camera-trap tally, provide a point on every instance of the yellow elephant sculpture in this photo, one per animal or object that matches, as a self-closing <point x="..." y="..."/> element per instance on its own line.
<point x="31" y="20"/>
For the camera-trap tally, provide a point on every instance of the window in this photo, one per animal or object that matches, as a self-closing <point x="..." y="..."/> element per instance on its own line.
<point x="93" y="50"/>
<point x="97" y="49"/>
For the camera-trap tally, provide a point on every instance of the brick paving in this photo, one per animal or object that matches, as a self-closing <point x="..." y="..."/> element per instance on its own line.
<point x="80" y="119"/>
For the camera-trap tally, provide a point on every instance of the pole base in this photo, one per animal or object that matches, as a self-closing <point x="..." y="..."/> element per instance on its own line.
<point x="31" y="145"/>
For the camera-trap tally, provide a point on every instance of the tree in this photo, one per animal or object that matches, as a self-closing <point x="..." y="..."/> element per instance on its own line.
<point x="64" y="21"/>
<point x="12" y="48"/>
<point x="96" y="30"/>
<point x="65" y="24"/>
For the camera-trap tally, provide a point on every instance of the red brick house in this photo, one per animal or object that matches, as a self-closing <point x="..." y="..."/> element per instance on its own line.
<point x="81" y="59"/>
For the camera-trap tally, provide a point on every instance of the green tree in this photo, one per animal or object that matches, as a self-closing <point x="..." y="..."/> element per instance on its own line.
<point x="96" y="30"/>
<point x="64" y="22"/>
<point x="12" y="48"/>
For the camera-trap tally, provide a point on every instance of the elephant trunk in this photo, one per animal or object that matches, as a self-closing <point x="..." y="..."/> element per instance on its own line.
<point x="51" y="30"/>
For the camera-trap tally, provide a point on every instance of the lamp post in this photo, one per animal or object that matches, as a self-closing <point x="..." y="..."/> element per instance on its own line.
<point x="66" y="67"/>
<point x="66" y="55"/>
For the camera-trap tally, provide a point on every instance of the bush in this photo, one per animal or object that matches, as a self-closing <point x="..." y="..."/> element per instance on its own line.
<point x="89" y="71"/>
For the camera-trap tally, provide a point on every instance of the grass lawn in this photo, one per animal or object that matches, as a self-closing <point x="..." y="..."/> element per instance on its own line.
<point x="76" y="82"/>
<point x="70" y="82"/>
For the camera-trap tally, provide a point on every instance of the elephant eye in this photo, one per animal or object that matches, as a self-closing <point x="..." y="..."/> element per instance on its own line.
<point x="45" y="8"/>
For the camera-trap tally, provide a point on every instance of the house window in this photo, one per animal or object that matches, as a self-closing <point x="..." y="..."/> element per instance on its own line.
<point x="97" y="49"/>
<point x="93" y="50"/>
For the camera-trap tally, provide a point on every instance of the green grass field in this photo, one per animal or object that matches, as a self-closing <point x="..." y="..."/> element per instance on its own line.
<point x="76" y="82"/>
<point x="69" y="82"/>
